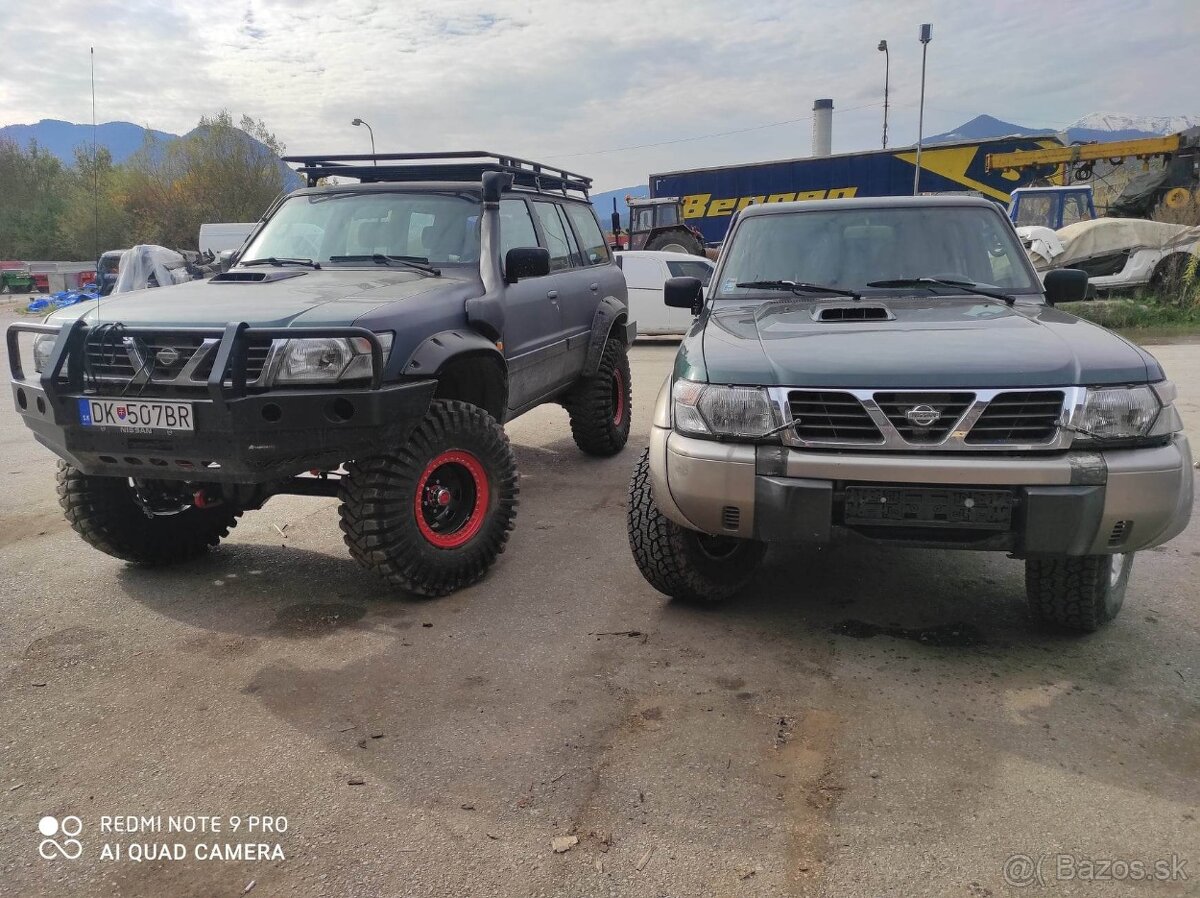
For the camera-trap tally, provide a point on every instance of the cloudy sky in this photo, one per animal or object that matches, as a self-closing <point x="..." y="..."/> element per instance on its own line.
<point x="613" y="88"/>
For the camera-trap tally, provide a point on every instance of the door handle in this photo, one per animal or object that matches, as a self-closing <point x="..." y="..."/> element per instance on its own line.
<point x="594" y="287"/>
<point x="553" y="294"/>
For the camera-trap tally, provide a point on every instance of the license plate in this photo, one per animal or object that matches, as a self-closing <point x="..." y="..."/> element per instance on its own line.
<point x="929" y="507"/>
<point x="136" y="414"/>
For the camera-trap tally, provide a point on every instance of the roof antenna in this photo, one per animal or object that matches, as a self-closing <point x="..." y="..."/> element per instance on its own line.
<point x="95" y="187"/>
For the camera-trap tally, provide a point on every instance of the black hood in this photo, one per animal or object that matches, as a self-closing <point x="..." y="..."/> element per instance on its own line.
<point x="925" y="342"/>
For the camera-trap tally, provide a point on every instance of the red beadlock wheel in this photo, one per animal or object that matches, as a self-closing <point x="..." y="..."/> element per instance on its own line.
<point x="452" y="499"/>
<point x="618" y="387"/>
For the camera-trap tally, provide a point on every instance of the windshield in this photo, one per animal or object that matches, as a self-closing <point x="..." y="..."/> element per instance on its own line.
<point x="849" y="248"/>
<point x="440" y="227"/>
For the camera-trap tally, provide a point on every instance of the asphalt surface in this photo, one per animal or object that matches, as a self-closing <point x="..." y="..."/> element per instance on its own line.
<point x="862" y="722"/>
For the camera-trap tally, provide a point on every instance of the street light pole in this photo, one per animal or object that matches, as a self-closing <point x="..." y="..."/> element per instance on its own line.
<point x="359" y="121"/>
<point x="926" y="37"/>
<point x="887" y="64"/>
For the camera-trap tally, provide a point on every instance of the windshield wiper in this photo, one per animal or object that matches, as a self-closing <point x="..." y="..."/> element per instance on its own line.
<point x="965" y="286"/>
<point x="279" y="262"/>
<point x="420" y="263"/>
<point x="798" y="287"/>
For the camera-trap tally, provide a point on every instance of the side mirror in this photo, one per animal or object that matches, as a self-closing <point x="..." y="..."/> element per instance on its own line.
<point x="684" y="293"/>
<point x="225" y="258"/>
<point x="1065" y="285"/>
<point x="526" y="262"/>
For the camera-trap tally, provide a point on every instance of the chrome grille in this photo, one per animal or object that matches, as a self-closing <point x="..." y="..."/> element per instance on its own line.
<point x="183" y="361"/>
<point x="828" y="415"/>
<point x="1019" y="417"/>
<point x="950" y="407"/>
<point x="974" y="420"/>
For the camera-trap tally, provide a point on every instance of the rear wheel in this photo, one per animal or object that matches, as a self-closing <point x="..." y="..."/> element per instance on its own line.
<point x="433" y="517"/>
<point x="600" y="406"/>
<point x="676" y="241"/>
<point x="1077" y="593"/>
<point x="145" y="522"/>
<point x="681" y="563"/>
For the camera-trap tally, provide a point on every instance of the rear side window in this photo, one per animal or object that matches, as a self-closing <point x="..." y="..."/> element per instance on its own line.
<point x="516" y="227"/>
<point x="559" y="240"/>
<point x="700" y="270"/>
<point x="595" y="250"/>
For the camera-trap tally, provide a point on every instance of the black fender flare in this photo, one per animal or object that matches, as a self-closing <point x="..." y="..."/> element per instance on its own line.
<point x="610" y="314"/>
<point x="433" y="354"/>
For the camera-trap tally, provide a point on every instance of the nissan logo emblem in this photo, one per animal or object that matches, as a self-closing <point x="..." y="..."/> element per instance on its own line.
<point x="922" y="415"/>
<point x="167" y="356"/>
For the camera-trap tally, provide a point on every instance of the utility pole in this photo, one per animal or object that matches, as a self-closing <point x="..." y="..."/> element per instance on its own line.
<point x="887" y="64"/>
<point x="358" y="122"/>
<point x="926" y="37"/>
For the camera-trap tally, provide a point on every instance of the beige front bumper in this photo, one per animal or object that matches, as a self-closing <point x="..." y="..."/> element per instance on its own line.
<point x="1072" y="500"/>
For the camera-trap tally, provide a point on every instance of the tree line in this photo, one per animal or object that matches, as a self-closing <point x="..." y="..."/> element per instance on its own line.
<point x="221" y="171"/>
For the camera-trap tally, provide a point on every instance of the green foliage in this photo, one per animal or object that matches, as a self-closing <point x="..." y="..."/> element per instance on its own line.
<point x="160" y="195"/>
<point x="1133" y="314"/>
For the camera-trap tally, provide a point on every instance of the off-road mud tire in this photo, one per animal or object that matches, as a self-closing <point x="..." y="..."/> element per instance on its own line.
<point x="675" y="560"/>
<point x="390" y="522"/>
<point x="104" y="511"/>
<point x="601" y="406"/>
<point x="1077" y="593"/>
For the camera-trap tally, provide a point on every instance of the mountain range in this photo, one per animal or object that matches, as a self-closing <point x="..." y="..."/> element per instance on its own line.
<point x="123" y="139"/>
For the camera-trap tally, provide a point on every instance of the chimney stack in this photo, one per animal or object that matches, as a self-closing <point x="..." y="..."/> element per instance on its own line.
<point x="822" y="140"/>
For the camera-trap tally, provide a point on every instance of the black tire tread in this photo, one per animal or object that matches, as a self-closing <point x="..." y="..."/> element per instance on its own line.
<point x="103" y="512"/>
<point x="662" y="554"/>
<point x="1068" y="592"/>
<point x="377" y="521"/>
<point x="590" y="405"/>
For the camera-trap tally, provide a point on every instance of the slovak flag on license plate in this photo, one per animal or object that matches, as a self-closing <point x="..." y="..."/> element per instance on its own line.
<point x="122" y="411"/>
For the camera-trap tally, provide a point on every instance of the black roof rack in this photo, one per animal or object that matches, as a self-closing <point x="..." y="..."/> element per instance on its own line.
<point x="458" y="165"/>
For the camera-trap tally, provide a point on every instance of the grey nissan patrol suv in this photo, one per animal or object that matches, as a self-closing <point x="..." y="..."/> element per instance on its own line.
<point x="892" y="370"/>
<point x="368" y="343"/>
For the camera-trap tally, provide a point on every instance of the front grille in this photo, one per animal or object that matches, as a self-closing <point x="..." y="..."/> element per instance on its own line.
<point x="1019" y="417"/>
<point x="950" y="407"/>
<point x="256" y="358"/>
<point x="165" y="358"/>
<point x="827" y="415"/>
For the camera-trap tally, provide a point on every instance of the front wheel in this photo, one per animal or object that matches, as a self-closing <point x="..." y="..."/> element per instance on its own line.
<point x="600" y="406"/>
<point x="682" y="563"/>
<point x="432" y="517"/>
<point x="141" y="521"/>
<point x="1077" y="593"/>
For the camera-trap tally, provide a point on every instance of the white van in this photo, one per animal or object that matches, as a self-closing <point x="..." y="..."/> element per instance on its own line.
<point x="645" y="273"/>
<point x="220" y="236"/>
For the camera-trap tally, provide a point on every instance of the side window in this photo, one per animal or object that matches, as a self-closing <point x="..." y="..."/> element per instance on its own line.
<point x="595" y="250"/>
<point x="516" y="227"/>
<point x="558" y="241"/>
<point x="668" y="215"/>
<point x="1074" y="210"/>
<point x="702" y="270"/>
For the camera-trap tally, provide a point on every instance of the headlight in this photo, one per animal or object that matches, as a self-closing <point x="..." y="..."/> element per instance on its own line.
<point x="1120" y="413"/>
<point x="712" y="410"/>
<point x="43" y="345"/>
<point x="328" y="359"/>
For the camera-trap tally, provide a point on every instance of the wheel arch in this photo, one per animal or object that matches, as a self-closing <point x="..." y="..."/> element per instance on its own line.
<point x="611" y="314"/>
<point x="467" y="366"/>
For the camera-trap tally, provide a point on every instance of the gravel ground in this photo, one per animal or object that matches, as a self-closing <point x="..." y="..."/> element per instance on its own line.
<point x="863" y="721"/>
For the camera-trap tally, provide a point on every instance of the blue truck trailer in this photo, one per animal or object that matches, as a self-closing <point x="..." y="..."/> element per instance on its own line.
<point x="710" y="196"/>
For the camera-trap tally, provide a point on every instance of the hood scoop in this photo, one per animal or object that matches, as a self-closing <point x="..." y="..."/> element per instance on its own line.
<point x="856" y="312"/>
<point x="255" y="277"/>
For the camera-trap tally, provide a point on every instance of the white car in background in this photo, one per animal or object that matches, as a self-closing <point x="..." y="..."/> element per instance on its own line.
<point x="645" y="273"/>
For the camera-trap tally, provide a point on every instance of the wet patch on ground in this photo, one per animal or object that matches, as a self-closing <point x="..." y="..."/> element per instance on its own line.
<point x="953" y="635"/>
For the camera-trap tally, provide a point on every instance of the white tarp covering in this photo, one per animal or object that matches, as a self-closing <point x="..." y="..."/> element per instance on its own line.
<point x="1087" y="239"/>
<point x="146" y="265"/>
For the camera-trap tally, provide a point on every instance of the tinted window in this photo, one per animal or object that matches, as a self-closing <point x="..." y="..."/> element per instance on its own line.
<point x="700" y="270"/>
<point x="560" y="244"/>
<point x="516" y="227"/>
<point x="595" y="250"/>
<point x="668" y="215"/>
